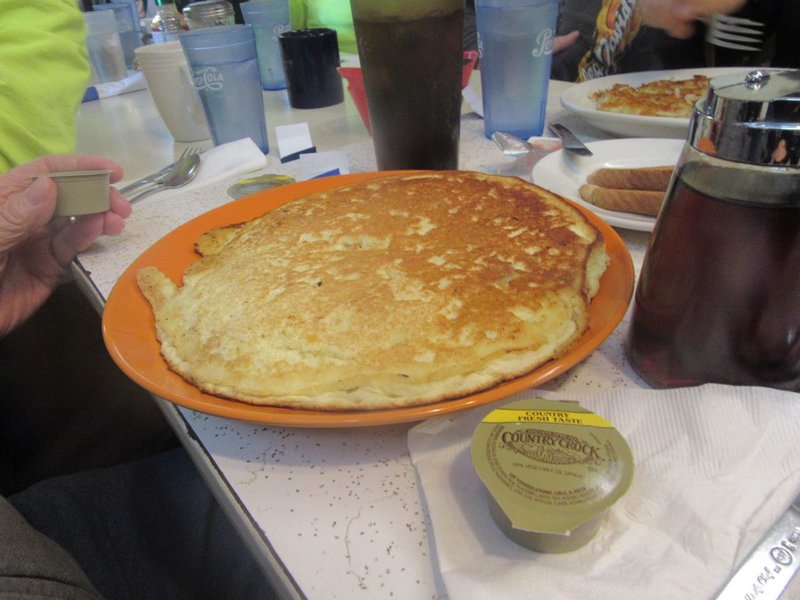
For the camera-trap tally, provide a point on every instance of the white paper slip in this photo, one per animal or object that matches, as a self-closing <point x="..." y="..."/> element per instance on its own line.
<point x="324" y="164"/>
<point x="293" y="140"/>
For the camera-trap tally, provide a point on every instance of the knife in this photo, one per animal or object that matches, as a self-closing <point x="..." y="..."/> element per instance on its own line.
<point x="769" y="568"/>
<point x="569" y="140"/>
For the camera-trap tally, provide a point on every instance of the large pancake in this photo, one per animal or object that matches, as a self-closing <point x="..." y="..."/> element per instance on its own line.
<point x="397" y="291"/>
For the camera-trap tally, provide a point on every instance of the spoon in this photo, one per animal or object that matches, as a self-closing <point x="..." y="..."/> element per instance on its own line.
<point x="183" y="173"/>
<point x="158" y="174"/>
<point x="510" y="144"/>
<point x="525" y="154"/>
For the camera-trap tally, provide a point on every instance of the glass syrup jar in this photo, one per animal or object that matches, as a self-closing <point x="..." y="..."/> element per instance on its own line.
<point x="718" y="297"/>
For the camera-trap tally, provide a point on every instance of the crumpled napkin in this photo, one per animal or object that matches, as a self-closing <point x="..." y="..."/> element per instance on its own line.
<point x="714" y="468"/>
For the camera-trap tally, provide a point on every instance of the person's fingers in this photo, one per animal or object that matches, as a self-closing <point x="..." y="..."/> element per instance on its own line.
<point x="676" y="17"/>
<point x="113" y="224"/>
<point x="682" y="30"/>
<point x="119" y="204"/>
<point x="684" y="18"/>
<point x="78" y="236"/>
<point x="24" y="212"/>
<point x="18" y="178"/>
<point x="562" y="42"/>
<point x="81" y="162"/>
<point x="707" y="8"/>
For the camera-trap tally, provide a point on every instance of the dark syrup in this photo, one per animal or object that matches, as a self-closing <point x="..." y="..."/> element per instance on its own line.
<point x="719" y="293"/>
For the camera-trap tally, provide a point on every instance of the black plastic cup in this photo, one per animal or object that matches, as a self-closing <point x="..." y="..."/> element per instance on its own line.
<point x="310" y="59"/>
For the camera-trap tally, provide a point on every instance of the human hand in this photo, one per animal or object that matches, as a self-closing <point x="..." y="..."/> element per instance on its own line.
<point x="562" y="42"/>
<point x="35" y="248"/>
<point x="678" y="17"/>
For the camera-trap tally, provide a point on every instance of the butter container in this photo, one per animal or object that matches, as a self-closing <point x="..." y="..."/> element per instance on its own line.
<point x="552" y="470"/>
<point x="81" y="192"/>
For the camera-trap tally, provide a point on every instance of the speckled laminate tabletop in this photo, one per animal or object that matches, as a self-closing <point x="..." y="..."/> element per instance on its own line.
<point x="330" y="513"/>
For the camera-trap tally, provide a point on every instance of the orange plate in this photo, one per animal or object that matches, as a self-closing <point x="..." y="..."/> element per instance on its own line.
<point x="129" y="328"/>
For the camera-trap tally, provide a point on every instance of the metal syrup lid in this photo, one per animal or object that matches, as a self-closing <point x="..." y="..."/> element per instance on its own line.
<point x="751" y="117"/>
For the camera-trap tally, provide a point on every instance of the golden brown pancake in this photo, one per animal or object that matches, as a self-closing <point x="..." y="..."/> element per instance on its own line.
<point x="396" y="291"/>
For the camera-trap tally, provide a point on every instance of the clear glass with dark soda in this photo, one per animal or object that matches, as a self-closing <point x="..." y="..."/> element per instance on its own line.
<point x="411" y="60"/>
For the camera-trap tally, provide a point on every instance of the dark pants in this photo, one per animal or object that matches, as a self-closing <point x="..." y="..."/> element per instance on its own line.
<point x="148" y="529"/>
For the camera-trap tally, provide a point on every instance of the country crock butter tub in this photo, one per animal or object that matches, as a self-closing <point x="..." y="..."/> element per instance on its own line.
<point x="552" y="469"/>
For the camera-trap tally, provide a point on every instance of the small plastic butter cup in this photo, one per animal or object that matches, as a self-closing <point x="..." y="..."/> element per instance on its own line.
<point x="80" y="192"/>
<point x="552" y="470"/>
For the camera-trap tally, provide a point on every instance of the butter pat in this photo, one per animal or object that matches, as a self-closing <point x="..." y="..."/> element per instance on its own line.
<point x="552" y="470"/>
<point x="81" y="192"/>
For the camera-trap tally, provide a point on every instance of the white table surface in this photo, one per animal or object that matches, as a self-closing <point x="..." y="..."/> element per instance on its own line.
<point x="329" y="513"/>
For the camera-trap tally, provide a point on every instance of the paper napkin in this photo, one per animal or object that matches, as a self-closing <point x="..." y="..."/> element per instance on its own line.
<point x="131" y="83"/>
<point x="222" y="162"/>
<point x="218" y="165"/>
<point x="715" y="467"/>
<point x="228" y="160"/>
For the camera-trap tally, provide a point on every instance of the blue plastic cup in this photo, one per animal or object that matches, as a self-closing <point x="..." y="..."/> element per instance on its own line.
<point x="269" y="19"/>
<point x="515" y="42"/>
<point x="225" y="72"/>
<point x="128" y="27"/>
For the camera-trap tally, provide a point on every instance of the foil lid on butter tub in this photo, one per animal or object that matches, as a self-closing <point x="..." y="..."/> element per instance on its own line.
<point x="253" y="185"/>
<point x="552" y="470"/>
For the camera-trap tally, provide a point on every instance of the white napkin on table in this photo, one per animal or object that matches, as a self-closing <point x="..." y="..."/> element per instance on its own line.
<point x="219" y="163"/>
<point x="715" y="467"/>
<point x="228" y="160"/>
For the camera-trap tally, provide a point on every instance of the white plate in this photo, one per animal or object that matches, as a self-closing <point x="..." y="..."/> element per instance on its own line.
<point x="578" y="99"/>
<point x="563" y="174"/>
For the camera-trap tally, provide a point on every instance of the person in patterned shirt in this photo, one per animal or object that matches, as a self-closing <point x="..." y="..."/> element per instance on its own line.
<point x="619" y="21"/>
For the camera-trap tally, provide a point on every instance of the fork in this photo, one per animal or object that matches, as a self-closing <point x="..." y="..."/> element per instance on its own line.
<point x="735" y="33"/>
<point x="153" y="177"/>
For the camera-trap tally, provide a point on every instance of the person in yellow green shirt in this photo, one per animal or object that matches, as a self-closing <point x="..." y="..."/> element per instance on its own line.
<point x="66" y="531"/>
<point x="306" y="14"/>
<point x="44" y="71"/>
<point x="336" y="14"/>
